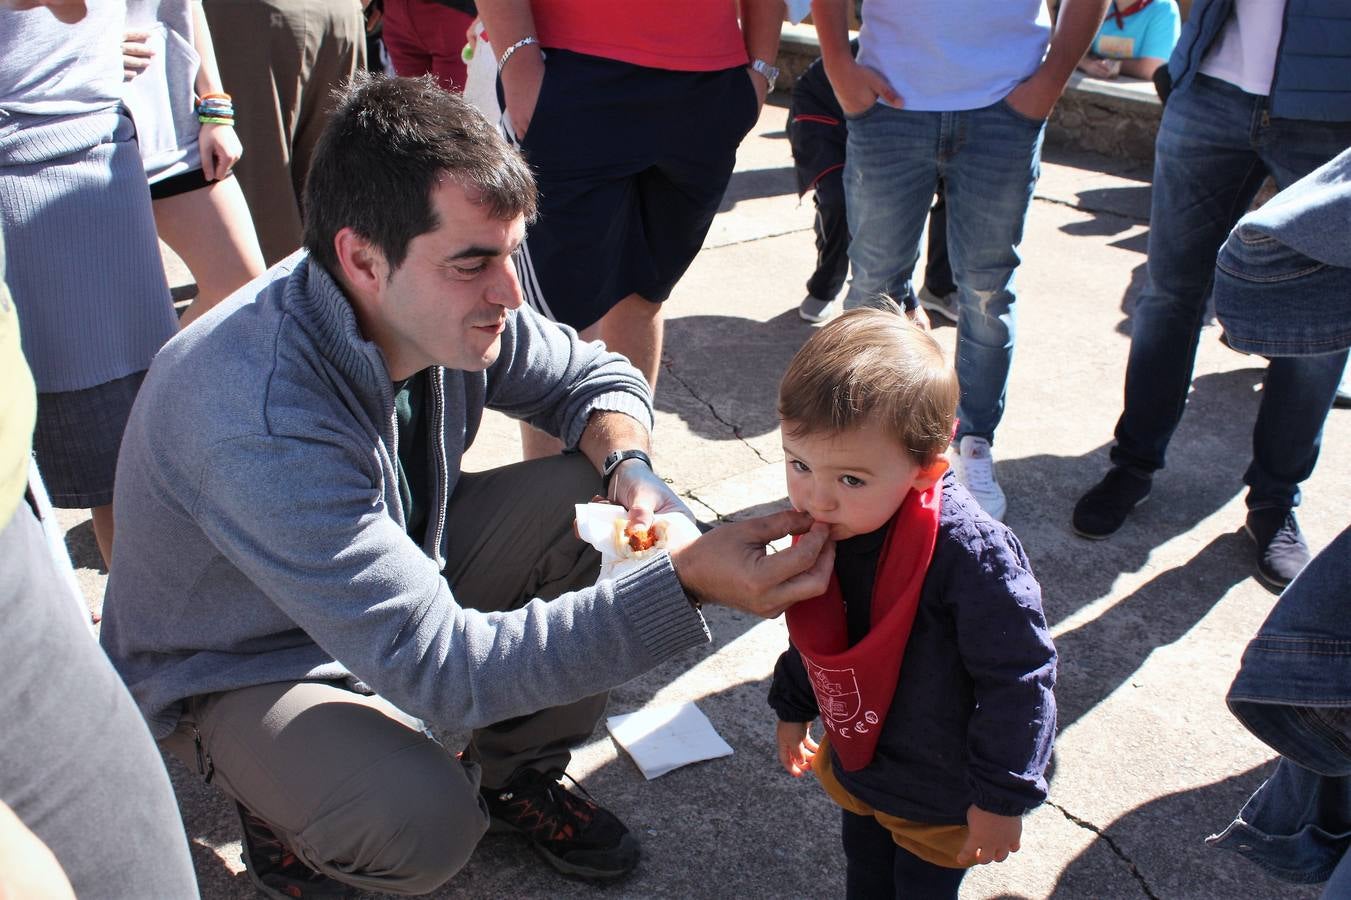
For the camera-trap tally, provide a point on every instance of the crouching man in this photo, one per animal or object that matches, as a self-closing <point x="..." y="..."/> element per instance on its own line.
<point x="301" y="567"/>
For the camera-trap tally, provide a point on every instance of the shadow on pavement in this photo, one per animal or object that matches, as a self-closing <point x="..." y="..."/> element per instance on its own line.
<point x="83" y="547"/>
<point x="1128" y="205"/>
<point x="1206" y="462"/>
<point x="1175" y="826"/>
<point x="752" y="184"/>
<point x="1099" y="656"/>
<point x="713" y="349"/>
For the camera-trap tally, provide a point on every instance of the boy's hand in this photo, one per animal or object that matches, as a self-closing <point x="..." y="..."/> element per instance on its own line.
<point x="796" y="747"/>
<point x="991" y="839"/>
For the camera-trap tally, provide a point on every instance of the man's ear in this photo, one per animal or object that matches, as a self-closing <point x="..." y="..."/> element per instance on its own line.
<point x="363" y="265"/>
<point x="927" y="476"/>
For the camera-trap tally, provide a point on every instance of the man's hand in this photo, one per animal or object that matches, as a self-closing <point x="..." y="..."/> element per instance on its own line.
<point x="1035" y="97"/>
<point x="859" y="87"/>
<point x="136" y="55"/>
<point x="639" y="490"/>
<point x="991" y="839"/>
<point x="761" y="85"/>
<point x="796" y="747"/>
<point x="521" y="80"/>
<point x="729" y="565"/>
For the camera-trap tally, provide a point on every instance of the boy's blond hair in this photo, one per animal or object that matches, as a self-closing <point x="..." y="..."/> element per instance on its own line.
<point x="873" y="366"/>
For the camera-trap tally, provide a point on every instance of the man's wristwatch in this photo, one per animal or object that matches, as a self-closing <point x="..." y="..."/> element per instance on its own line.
<point x="771" y="74"/>
<point x="613" y="461"/>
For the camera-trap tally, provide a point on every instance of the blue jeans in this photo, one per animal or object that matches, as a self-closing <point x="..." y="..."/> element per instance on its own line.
<point x="989" y="160"/>
<point x="1283" y="278"/>
<point x="877" y="868"/>
<point x="1216" y="145"/>
<point x="1293" y="691"/>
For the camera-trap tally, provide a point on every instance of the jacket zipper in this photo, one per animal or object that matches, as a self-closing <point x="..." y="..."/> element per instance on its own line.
<point x="442" y="476"/>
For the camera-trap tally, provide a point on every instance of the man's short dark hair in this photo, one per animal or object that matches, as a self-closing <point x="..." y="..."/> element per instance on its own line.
<point x="386" y="145"/>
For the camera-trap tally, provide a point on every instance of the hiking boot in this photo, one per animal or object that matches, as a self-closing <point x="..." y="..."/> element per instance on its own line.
<point x="945" y="306"/>
<point x="1281" y="550"/>
<point x="973" y="463"/>
<point x="1103" y="510"/>
<point x="577" y="836"/>
<point x="276" y="871"/>
<point x="814" y="309"/>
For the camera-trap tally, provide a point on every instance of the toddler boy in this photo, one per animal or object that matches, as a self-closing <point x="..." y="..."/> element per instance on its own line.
<point x="928" y="659"/>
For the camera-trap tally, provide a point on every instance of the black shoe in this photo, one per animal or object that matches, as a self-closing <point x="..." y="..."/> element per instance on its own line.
<point x="1281" y="550"/>
<point x="1104" y="509"/>
<point x="576" y="836"/>
<point x="275" y="870"/>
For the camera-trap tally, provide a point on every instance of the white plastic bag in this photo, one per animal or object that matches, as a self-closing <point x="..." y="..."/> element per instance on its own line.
<point x="480" y="81"/>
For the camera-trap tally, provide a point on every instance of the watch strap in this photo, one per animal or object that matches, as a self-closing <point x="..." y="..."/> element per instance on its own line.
<point x="770" y="72"/>
<point x="613" y="461"/>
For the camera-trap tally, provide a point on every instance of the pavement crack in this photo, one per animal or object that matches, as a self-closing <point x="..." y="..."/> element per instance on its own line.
<point x="732" y="426"/>
<point x="1112" y="845"/>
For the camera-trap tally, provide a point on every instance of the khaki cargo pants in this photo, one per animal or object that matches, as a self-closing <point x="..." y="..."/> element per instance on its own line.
<point x="355" y="786"/>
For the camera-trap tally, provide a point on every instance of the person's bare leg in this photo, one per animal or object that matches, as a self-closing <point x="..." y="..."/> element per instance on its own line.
<point x="633" y="327"/>
<point x="536" y="444"/>
<point x="103" y="532"/>
<point x="211" y="230"/>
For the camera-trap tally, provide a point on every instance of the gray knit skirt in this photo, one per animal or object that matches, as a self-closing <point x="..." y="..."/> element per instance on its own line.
<point x="85" y="272"/>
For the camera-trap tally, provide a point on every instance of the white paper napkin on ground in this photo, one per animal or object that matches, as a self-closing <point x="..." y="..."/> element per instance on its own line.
<point x="663" y="738"/>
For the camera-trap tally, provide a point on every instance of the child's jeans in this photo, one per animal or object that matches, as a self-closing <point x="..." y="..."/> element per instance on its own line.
<point x="878" y="869"/>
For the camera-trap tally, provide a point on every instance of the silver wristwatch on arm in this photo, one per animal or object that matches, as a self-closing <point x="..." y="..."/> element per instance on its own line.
<point x="770" y="73"/>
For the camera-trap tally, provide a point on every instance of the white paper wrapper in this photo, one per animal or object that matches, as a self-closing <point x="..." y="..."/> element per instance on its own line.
<point x="663" y="738"/>
<point x="595" y="523"/>
<point x="480" y="82"/>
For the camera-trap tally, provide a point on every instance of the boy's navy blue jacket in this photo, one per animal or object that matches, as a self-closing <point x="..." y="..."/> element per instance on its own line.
<point x="973" y="717"/>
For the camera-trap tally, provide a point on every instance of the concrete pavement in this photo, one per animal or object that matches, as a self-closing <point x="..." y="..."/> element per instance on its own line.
<point x="1149" y="624"/>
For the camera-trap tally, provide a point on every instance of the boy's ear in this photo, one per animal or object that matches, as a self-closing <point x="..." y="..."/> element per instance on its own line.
<point x="928" y="476"/>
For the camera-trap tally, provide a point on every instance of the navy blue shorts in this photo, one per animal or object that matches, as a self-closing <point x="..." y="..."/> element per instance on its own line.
<point x="632" y="163"/>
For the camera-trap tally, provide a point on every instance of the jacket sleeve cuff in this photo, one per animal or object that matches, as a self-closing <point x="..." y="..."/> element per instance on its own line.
<point x="666" y="622"/>
<point x="624" y="402"/>
<point x="1002" y="804"/>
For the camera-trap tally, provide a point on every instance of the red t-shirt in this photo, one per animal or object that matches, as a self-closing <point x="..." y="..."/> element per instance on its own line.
<point x="691" y="36"/>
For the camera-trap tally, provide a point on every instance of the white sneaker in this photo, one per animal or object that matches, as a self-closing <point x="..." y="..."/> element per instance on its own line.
<point x="814" y="309"/>
<point x="974" y="466"/>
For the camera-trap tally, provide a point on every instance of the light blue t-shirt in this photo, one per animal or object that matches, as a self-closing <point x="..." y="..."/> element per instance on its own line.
<point x="1151" y="32"/>
<point x="948" y="55"/>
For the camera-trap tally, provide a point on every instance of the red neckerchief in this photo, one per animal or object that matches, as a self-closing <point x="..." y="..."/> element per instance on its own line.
<point x="854" y="685"/>
<point x="1121" y="14"/>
